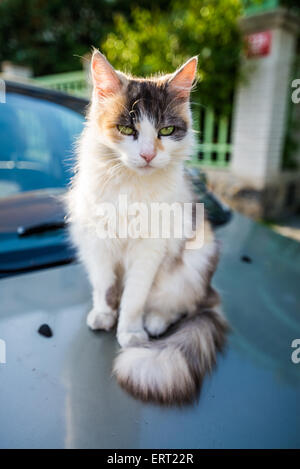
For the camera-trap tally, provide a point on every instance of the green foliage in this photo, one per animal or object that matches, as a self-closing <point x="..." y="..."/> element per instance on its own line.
<point x="42" y="33"/>
<point x="157" y="40"/>
<point x="49" y="35"/>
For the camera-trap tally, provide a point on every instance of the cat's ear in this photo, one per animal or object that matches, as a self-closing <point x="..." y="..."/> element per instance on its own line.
<point x="182" y="80"/>
<point x="106" y="81"/>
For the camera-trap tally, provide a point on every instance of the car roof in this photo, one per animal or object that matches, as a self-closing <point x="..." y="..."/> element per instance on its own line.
<point x="73" y="102"/>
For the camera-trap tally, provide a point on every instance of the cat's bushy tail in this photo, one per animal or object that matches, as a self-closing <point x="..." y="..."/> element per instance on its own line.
<point x="170" y="370"/>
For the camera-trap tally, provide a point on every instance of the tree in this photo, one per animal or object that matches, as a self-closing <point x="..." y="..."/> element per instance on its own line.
<point x="156" y="40"/>
<point x="50" y="35"/>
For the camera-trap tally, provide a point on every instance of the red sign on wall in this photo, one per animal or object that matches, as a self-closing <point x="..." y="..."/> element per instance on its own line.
<point x="259" y="44"/>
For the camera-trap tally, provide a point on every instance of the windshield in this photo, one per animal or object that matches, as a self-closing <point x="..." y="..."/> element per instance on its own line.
<point x="36" y="144"/>
<point x="37" y="139"/>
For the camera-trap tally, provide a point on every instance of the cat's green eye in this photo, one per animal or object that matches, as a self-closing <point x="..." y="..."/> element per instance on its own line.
<point x="165" y="131"/>
<point x="125" y="130"/>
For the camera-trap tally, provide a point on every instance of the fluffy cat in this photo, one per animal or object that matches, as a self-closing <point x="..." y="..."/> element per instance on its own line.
<point x="138" y="133"/>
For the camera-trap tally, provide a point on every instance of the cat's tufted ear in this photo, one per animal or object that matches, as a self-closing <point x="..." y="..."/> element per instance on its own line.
<point x="182" y="80"/>
<point x="106" y="81"/>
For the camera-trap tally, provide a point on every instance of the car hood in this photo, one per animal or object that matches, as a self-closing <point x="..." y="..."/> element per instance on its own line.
<point x="58" y="392"/>
<point x="32" y="234"/>
<point x="30" y="208"/>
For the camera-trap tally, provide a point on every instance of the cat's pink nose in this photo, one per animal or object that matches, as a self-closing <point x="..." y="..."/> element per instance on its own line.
<point x="148" y="156"/>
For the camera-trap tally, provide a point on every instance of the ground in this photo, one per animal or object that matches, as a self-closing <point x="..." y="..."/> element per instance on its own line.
<point x="289" y="227"/>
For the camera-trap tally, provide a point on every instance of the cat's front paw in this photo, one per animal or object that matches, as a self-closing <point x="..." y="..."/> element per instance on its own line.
<point x="130" y="339"/>
<point x="105" y="321"/>
<point x="156" y="324"/>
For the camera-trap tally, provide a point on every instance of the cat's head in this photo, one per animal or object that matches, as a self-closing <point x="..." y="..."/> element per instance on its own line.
<point x="146" y="122"/>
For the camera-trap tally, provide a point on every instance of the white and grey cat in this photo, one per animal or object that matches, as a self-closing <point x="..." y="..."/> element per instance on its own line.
<point x="138" y="133"/>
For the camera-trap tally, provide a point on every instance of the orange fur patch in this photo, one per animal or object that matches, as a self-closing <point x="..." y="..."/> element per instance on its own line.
<point x="159" y="145"/>
<point x="108" y="118"/>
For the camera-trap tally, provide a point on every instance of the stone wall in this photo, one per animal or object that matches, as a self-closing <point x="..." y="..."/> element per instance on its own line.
<point x="279" y="198"/>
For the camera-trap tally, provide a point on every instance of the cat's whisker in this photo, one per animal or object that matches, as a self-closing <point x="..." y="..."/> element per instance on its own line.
<point x="124" y="107"/>
<point x="170" y="104"/>
<point x="112" y="172"/>
<point x="135" y="102"/>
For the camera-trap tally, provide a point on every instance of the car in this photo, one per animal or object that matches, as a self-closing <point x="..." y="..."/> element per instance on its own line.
<point x="56" y="386"/>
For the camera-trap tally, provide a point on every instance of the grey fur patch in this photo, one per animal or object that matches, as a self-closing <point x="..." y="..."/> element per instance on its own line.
<point x="155" y="100"/>
<point x="112" y="297"/>
<point x="211" y="300"/>
<point x="212" y="266"/>
<point x="177" y="261"/>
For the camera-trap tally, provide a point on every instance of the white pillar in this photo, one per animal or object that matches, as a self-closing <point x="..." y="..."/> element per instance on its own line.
<point x="261" y="101"/>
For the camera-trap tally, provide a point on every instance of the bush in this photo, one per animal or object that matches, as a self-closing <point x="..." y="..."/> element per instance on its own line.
<point x="151" y="41"/>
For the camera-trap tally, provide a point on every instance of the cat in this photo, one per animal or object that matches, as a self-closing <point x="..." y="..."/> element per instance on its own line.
<point x="138" y="134"/>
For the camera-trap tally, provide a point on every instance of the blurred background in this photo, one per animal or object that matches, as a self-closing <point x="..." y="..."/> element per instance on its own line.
<point x="246" y="105"/>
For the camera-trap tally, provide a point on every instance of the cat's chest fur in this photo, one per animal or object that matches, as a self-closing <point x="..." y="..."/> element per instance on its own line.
<point x="101" y="204"/>
<point x="122" y="193"/>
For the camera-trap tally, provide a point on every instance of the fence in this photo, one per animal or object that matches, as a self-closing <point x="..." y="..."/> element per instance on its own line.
<point x="259" y="6"/>
<point x="213" y="132"/>
<point x="213" y="138"/>
<point x="71" y="82"/>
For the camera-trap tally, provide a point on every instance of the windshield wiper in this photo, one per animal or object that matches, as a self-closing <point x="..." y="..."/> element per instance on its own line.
<point x="41" y="228"/>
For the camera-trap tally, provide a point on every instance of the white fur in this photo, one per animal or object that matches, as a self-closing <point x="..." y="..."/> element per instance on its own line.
<point x="138" y="363"/>
<point x="157" y="279"/>
<point x="105" y="170"/>
<point x="142" y="260"/>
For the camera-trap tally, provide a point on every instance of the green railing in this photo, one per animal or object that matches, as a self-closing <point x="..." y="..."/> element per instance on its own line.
<point x="213" y="138"/>
<point x="258" y="6"/>
<point x="71" y="82"/>
<point x="213" y="132"/>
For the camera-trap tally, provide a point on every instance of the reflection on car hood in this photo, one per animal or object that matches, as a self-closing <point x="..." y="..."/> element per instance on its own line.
<point x="30" y="208"/>
<point x="59" y="393"/>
